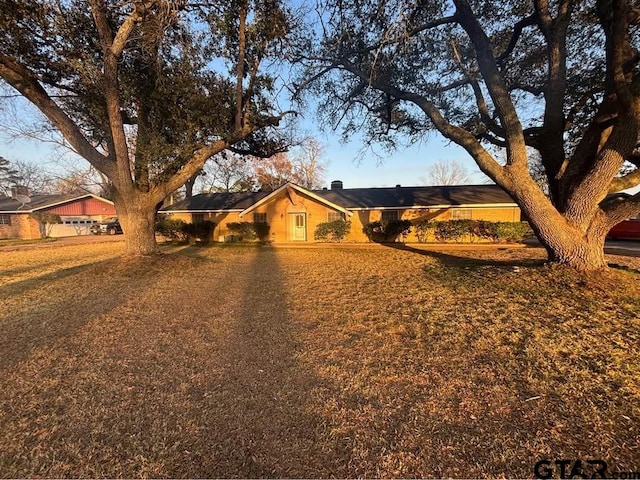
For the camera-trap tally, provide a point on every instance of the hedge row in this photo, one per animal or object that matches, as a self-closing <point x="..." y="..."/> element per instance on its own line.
<point x="386" y="231"/>
<point x="471" y="230"/>
<point x="249" y="230"/>
<point x="332" y="231"/>
<point x="177" y="229"/>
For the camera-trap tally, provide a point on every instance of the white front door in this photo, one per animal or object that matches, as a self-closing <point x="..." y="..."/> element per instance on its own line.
<point x="298" y="226"/>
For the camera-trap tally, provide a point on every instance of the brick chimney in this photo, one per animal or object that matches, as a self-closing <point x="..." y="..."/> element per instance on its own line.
<point x="19" y="190"/>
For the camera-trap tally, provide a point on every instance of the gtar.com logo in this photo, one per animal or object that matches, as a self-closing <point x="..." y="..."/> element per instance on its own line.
<point x="546" y="469"/>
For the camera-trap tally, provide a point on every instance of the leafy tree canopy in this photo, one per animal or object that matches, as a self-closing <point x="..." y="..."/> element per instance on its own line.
<point x="503" y="80"/>
<point x="8" y="176"/>
<point x="148" y="90"/>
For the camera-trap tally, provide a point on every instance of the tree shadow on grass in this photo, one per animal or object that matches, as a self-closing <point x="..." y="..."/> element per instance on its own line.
<point x="461" y="261"/>
<point x="20" y="287"/>
<point x="195" y="376"/>
<point x="255" y="420"/>
<point x="40" y="311"/>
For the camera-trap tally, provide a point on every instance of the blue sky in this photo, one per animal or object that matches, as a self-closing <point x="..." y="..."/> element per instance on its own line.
<point x="346" y="161"/>
<point x="378" y="168"/>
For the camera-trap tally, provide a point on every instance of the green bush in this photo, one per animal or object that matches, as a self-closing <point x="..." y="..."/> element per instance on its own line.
<point x="485" y="230"/>
<point x="249" y="231"/>
<point x="513" y="231"/>
<point x="423" y="229"/>
<point x="262" y="231"/>
<point x="456" y="230"/>
<point x="243" y="230"/>
<point x="452" y="230"/>
<point x="386" y="231"/>
<point x="332" y="231"/>
<point x="200" y="230"/>
<point x="172" y="228"/>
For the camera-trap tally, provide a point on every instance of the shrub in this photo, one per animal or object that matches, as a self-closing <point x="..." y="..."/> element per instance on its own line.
<point x="485" y="230"/>
<point x="512" y="231"/>
<point x="452" y="230"/>
<point x="172" y="228"/>
<point x="455" y="230"/>
<point x="243" y="230"/>
<point x="386" y="231"/>
<point x="262" y="231"/>
<point x="424" y="228"/>
<point x="249" y="231"/>
<point x="200" y="230"/>
<point x="332" y="231"/>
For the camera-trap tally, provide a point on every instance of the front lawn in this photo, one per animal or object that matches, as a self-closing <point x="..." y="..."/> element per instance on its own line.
<point x="313" y="362"/>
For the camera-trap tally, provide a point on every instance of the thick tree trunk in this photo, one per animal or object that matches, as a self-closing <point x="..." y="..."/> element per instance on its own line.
<point x="581" y="253"/>
<point x="576" y="241"/>
<point x="138" y="223"/>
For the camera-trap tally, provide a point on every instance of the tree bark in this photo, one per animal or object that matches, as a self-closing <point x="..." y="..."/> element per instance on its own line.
<point x="583" y="252"/>
<point x="137" y="219"/>
<point x="572" y="242"/>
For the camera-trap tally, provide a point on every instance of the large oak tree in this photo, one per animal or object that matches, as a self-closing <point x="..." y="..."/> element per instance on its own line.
<point x="505" y="80"/>
<point x="147" y="90"/>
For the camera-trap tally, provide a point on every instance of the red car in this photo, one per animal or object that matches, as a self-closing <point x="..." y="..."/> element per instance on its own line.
<point x="627" y="230"/>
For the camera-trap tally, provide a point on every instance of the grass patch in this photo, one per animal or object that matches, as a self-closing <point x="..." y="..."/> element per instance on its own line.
<point x="14" y="241"/>
<point x="236" y="361"/>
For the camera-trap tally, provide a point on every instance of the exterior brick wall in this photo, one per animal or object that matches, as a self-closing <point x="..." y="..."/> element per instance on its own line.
<point x="22" y="227"/>
<point x="280" y="212"/>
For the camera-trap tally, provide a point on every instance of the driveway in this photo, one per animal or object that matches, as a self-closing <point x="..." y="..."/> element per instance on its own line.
<point x="622" y="247"/>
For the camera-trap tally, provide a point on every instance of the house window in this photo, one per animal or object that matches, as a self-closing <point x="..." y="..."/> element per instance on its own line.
<point x="259" y="218"/>
<point x="461" y="214"/>
<point x="197" y="217"/>
<point x="5" y="219"/>
<point x="390" y="215"/>
<point x="334" y="216"/>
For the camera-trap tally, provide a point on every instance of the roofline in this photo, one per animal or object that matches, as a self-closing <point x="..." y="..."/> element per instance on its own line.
<point x="359" y="209"/>
<point x="201" y="211"/>
<point x="55" y="204"/>
<point x="422" y="207"/>
<point x="300" y="189"/>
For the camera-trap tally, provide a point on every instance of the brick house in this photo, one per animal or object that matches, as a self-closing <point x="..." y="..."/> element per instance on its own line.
<point x="293" y="212"/>
<point x="77" y="214"/>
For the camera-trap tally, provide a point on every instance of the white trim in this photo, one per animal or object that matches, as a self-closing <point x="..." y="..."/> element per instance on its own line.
<point x="300" y="189"/>
<point x="50" y="205"/>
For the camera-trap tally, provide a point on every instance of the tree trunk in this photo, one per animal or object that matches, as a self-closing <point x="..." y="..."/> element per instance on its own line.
<point x="575" y="241"/>
<point x="581" y="248"/>
<point x="581" y="253"/>
<point x="138" y="225"/>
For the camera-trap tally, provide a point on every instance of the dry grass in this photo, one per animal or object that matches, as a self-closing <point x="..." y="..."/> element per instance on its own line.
<point x="346" y="362"/>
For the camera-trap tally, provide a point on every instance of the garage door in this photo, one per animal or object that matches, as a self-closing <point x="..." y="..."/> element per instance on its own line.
<point x="72" y="227"/>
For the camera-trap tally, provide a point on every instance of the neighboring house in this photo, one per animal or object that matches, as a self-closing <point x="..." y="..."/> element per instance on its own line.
<point x="77" y="214"/>
<point x="294" y="212"/>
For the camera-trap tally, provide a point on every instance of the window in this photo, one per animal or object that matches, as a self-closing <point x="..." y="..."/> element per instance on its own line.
<point x="334" y="216"/>
<point x="197" y="217"/>
<point x="460" y="214"/>
<point x="259" y="218"/>
<point x="390" y="215"/>
<point x="5" y="219"/>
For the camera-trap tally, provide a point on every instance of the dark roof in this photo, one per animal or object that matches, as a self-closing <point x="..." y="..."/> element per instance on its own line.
<point x="37" y="202"/>
<point x="360" y="197"/>
<point x="218" y="201"/>
<point x="416" y="196"/>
